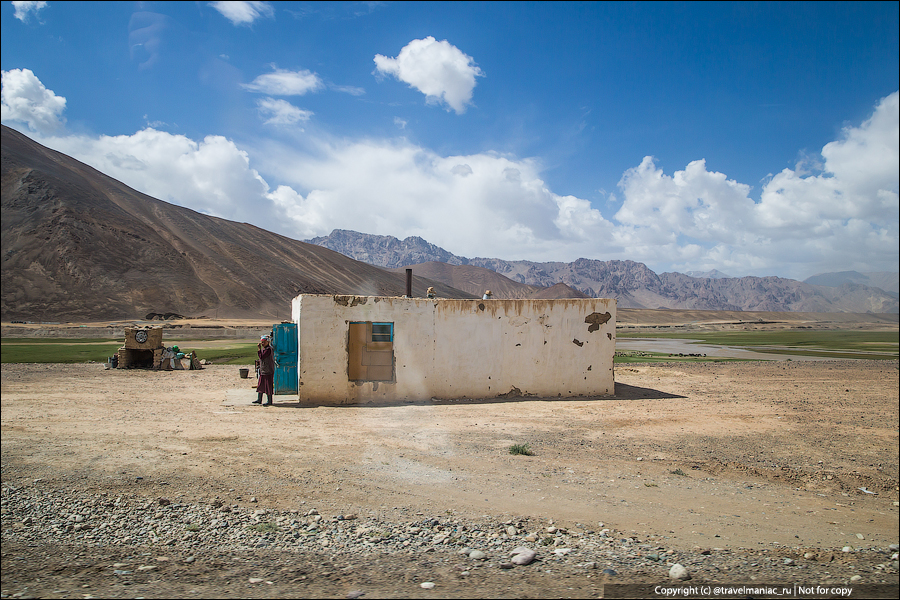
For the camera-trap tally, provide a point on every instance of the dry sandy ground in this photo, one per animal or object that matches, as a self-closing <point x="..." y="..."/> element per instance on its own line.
<point x="764" y="452"/>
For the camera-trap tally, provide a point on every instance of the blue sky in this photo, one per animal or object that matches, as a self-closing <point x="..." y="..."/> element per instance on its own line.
<point x="756" y="139"/>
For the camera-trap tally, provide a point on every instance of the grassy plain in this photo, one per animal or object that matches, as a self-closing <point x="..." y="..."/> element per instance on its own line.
<point x="821" y="343"/>
<point x="43" y="350"/>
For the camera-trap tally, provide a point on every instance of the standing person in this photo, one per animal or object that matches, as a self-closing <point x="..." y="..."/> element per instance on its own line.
<point x="429" y="293"/>
<point x="266" y="371"/>
<point x="488" y="295"/>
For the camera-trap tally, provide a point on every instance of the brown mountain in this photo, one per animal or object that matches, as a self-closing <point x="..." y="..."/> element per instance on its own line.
<point x="79" y="245"/>
<point x="633" y="284"/>
<point x="476" y="280"/>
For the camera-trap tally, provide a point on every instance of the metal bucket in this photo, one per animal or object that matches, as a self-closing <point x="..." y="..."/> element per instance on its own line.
<point x="244" y="373"/>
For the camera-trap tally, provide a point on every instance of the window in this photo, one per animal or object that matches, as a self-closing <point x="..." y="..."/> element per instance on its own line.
<point x="371" y="351"/>
<point x="382" y="332"/>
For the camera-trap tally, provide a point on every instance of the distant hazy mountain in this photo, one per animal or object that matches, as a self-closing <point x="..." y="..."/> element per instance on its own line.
<point x="632" y="283"/>
<point x="384" y="250"/>
<point x="79" y="245"/>
<point x="477" y="280"/>
<point x="714" y="274"/>
<point x="889" y="282"/>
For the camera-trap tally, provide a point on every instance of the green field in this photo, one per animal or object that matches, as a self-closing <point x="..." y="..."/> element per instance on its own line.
<point x="43" y="350"/>
<point x="651" y="357"/>
<point x="822" y="343"/>
<point x="828" y="344"/>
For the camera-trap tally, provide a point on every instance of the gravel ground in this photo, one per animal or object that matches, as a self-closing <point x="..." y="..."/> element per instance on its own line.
<point x="64" y="543"/>
<point x="142" y="484"/>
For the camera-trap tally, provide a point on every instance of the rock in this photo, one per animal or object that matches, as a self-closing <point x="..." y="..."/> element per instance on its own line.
<point x="855" y="578"/>
<point x="679" y="573"/>
<point x="477" y="555"/>
<point x="788" y="561"/>
<point x="426" y="585"/>
<point x="507" y="565"/>
<point x="610" y="572"/>
<point x="523" y="556"/>
<point x="352" y="595"/>
<point x="847" y="549"/>
<point x="253" y="499"/>
<point x="255" y="580"/>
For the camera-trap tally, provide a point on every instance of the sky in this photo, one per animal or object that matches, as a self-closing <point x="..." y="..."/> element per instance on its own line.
<point x="751" y="138"/>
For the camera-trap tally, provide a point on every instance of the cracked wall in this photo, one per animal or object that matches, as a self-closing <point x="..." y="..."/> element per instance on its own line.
<point x="448" y="349"/>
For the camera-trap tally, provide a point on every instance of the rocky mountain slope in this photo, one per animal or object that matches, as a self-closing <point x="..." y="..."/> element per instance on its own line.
<point x="477" y="280"/>
<point x="79" y="245"/>
<point x="632" y="283"/>
<point x="889" y="282"/>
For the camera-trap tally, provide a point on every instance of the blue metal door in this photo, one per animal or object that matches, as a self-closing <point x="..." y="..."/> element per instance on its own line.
<point x="284" y="343"/>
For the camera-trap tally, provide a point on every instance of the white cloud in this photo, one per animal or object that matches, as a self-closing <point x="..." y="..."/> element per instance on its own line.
<point x="212" y="176"/>
<point x="24" y="10"/>
<point x="482" y="204"/>
<point x="439" y="70"/>
<point x="282" y="82"/>
<point x="846" y="217"/>
<point x="26" y="100"/>
<point x="244" y="13"/>
<point x="281" y="112"/>
<point x="348" y="89"/>
<point x="843" y="217"/>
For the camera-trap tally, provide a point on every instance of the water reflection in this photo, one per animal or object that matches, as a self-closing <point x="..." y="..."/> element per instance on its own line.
<point x="670" y="346"/>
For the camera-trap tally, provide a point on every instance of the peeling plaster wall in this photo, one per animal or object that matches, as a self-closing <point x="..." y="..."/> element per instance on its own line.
<point x="460" y="348"/>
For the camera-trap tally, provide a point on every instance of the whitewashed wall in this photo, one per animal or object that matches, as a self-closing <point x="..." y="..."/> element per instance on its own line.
<point x="460" y="348"/>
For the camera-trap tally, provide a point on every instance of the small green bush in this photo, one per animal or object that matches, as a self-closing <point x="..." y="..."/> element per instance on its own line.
<point x="264" y="527"/>
<point x="521" y="449"/>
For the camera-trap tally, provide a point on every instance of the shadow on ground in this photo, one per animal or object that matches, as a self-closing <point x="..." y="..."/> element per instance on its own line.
<point x="623" y="392"/>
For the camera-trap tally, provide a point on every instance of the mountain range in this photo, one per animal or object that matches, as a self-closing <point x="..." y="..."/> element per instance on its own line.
<point x="81" y="246"/>
<point x="632" y="283"/>
<point x="78" y="245"/>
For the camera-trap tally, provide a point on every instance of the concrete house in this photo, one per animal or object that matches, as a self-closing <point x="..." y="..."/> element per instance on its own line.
<point x="361" y="349"/>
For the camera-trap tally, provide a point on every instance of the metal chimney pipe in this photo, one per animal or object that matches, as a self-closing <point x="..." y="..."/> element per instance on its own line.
<point x="409" y="283"/>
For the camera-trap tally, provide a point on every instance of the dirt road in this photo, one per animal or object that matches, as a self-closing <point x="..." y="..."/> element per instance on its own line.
<point x="746" y="458"/>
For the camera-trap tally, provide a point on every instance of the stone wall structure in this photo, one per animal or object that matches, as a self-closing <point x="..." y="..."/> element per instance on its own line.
<point x="143" y="348"/>
<point x="359" y="349"/>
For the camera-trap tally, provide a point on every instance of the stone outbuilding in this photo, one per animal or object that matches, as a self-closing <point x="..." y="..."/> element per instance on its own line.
<point x="143" y="348"/>
<point x="359" y="349"/>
